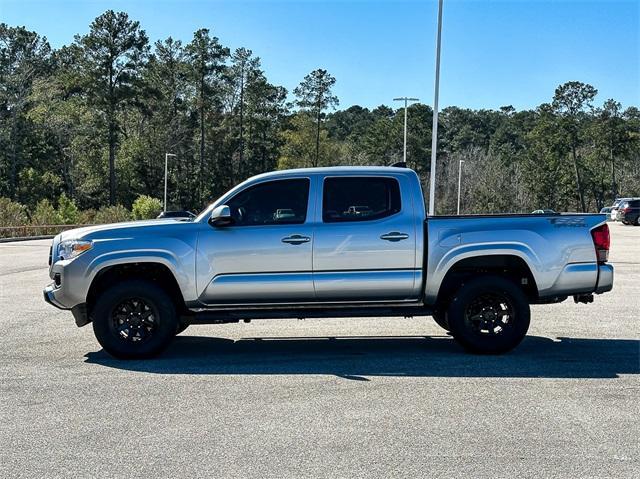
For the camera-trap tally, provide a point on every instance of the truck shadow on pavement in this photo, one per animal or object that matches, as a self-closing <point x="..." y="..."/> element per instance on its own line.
<point x="359" y="357"/>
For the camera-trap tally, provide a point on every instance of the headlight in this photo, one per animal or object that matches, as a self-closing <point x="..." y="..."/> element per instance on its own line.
<point x="69" y="249"/>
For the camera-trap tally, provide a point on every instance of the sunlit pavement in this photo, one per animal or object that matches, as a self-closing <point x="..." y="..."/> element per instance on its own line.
<point x="322" y="398"/>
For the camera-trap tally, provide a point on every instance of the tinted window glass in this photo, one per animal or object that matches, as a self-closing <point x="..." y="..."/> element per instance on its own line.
<point x="272" y="203"/>
<point x="634" y="203"/>
<point x="359" y="199"/>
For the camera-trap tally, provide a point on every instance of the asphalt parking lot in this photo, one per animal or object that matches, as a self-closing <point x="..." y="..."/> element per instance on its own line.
<point x="322" y="398"/>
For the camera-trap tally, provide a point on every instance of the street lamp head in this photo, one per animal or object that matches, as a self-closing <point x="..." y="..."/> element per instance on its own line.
<point x="406" y="98"/>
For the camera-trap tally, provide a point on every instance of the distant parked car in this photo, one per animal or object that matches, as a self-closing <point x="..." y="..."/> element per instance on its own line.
<point x="606" y="211"/>
<point x="544" y="212"/>
<point x="629" y="212"/>
<point x="614" y="208"/>
<point x="178" y="215"/>
<point x="284" y="214"/>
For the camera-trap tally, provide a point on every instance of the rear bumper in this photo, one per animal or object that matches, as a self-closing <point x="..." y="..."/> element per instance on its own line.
<point x="581" y="278"/>
<point x="605" y="278"/>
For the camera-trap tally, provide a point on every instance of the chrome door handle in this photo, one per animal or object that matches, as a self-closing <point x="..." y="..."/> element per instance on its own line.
<point x="394" y="236"/>
<point x="296" y="239"/>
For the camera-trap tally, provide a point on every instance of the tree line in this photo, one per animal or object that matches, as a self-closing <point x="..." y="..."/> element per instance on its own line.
<point x="91" y="122"/>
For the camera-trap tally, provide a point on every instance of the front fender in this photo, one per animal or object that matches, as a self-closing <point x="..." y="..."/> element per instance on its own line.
<point x="178" y="257"/>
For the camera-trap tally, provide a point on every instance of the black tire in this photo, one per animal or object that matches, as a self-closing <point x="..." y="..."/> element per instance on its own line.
<point x="489" y="315"/>
<point x="637" y="221"/>
<point x="440" y="317"/>
<point x="134" y="319"/>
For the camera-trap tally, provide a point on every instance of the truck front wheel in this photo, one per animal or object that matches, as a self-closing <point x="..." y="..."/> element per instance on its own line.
<point x="134" y="319"/>
<point x="489" y="315"/>
<point x="440" y="317"/>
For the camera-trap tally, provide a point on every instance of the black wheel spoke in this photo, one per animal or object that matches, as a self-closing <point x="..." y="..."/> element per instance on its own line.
<point x="489" y="314"/>
<point x="134" y="320"/>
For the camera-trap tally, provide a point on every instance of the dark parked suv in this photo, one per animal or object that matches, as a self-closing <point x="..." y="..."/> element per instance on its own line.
<point x="629" y="212"/>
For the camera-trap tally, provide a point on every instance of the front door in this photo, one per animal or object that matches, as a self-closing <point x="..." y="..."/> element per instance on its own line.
<point x="365" y="241"/>
<point x="265" y="255"/>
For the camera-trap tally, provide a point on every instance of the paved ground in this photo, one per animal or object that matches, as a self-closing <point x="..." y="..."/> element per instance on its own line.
<point x="322" y="398"/>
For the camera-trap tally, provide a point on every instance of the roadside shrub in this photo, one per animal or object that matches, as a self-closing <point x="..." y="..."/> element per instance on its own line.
<point x="146" y="208"/>
<point x="12" y="213"/>
<point x="112" y="214"/>
<point x="45" y="214"/>
<point x="87" y="217"/>
<point x="68" y="212"/>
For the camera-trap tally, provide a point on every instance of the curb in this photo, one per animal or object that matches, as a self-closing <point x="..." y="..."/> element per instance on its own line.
<point x="25" y="238"/>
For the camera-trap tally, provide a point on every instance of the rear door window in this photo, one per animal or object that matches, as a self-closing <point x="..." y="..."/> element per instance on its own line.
<point x="359" y="199"/>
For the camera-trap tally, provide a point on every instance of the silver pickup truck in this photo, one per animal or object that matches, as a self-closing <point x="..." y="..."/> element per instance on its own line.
<point x="325" y="242"/>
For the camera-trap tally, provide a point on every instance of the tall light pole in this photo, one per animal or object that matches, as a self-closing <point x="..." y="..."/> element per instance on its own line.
<point x="434" y="130"/>
<point x="406" y="102"/>
<point x="459" y="183"/>
<point x="166" y="162"/>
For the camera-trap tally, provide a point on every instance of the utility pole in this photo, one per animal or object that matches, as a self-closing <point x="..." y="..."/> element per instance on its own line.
<point x="459" y="183"/>
<point x="434" y="130"/>
<point x="166" y="162"/>
<point x="406" y="102"/>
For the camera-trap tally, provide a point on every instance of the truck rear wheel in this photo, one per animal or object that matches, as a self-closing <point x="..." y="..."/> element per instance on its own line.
<point x="489" y="315"/>
<point x="134" y="319"/>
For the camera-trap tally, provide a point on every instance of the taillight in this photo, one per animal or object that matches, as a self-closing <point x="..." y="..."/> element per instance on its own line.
<point x="602" y="242"/>
<point x="626" y="210"/>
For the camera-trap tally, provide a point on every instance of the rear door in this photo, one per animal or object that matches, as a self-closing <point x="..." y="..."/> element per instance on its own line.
<point x="365" y="240"/>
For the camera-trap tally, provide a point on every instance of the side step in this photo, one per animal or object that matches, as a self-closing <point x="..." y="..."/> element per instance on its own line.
<point x="234" y="315"/>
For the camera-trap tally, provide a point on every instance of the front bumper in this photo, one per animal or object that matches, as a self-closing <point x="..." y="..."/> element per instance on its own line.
<point x="50" y="296"/>
<point x="79" y="311"/>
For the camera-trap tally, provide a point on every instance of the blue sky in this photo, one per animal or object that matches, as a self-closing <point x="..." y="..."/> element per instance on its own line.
<point x="494" y="53"/>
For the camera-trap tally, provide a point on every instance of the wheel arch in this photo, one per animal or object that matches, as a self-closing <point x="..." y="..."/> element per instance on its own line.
<point x="510" y="266"/>
<point x="155" y="271"/>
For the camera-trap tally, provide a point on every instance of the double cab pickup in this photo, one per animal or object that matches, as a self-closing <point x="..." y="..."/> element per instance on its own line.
<point x="325" y="242"/>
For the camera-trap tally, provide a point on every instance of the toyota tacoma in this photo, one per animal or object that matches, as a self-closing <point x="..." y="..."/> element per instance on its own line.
<point x="326" y="242"/>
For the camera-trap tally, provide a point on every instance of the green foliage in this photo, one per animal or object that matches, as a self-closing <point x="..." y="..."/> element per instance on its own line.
<point x="34" y="185"/>
<point x="12" y="213"/>
<point x="68" y="213"/>
<point x="146" y="207"/>
<point x="298" y="149"/>
<point x="112" y="214"/>
<point x="45" y="214"/>
<point x="87" y="217"/>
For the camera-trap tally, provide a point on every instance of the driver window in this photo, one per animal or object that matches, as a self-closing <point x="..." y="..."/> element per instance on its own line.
<point x="271" y="203"/>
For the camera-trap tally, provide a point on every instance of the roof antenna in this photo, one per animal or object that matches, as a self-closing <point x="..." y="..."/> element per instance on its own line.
<point x="399" y="164"/>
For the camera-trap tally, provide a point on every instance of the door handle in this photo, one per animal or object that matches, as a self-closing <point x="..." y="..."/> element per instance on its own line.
<point x="296" y="239"/>
<point x="394" y="236"/>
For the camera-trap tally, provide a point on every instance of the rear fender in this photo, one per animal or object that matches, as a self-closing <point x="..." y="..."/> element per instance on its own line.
<point x="437" y="274"/>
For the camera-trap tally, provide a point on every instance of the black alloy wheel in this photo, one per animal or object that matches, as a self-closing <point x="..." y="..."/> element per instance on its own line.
<point x="489" y="315"/>
<point x="134" y="319"/>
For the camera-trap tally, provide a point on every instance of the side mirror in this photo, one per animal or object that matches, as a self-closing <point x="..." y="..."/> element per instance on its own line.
<point x="221" y="216"/>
